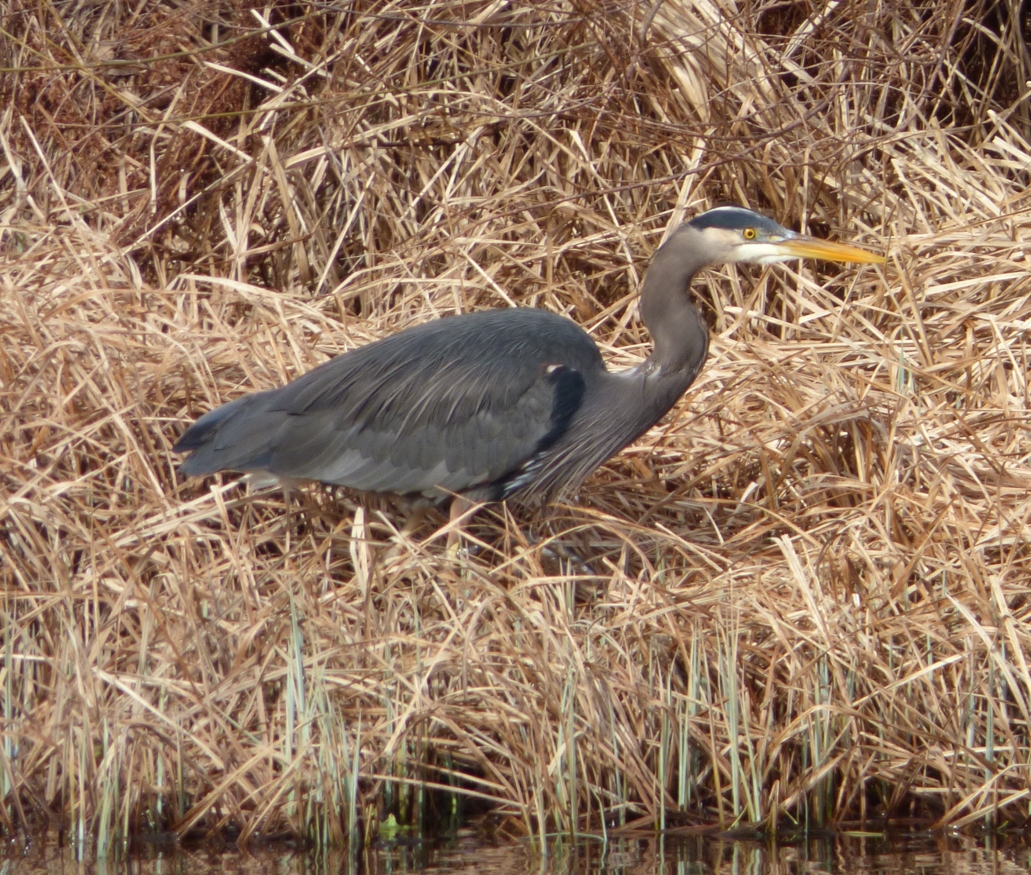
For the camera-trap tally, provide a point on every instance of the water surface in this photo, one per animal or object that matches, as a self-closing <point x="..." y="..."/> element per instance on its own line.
<point x="916" y="852"/>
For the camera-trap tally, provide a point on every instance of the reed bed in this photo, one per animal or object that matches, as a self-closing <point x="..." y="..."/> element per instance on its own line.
<point x="800" y="601"/>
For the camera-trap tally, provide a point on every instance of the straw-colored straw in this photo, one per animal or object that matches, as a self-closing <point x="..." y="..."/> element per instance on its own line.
<point x="802" y="599"/>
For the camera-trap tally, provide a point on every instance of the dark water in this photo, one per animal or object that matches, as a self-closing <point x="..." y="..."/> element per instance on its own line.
<point x="865" y="855"/>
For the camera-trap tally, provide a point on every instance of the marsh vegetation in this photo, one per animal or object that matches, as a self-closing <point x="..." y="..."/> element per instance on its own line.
<point x="801" y="600"/>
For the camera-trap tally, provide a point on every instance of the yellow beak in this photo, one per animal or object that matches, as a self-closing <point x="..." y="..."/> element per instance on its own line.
<point x="801" y="246"/>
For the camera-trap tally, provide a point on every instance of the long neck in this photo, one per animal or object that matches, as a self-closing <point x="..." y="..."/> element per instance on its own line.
<point x="680" y="336"/>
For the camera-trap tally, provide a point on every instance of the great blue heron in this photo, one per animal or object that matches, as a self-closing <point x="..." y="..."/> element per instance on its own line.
<point x="493" y="404"/>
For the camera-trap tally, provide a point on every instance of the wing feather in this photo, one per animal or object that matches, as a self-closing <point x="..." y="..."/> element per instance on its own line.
<point x="450" y="405"/>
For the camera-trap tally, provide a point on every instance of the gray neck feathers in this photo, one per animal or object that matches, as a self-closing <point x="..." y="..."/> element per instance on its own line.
<point x="681" y="337"/>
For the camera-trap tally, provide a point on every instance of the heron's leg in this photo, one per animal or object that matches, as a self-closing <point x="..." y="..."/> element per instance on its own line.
<point x="459" y="507"/>
<point x="462" y="510"/>
<point x="414" y="520"/>
<point x="288" y="514"/>
<point x="401" y="540"/>
<point x="289" y="517"/>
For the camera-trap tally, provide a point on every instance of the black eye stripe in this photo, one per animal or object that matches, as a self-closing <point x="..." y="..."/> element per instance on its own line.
<point x="737" y="218"/>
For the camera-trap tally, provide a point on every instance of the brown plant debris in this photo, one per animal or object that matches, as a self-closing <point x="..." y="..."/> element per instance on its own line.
<point x="802" y="599"/>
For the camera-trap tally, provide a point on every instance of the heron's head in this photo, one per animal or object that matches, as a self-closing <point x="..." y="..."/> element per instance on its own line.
<point x="729" y="234"/>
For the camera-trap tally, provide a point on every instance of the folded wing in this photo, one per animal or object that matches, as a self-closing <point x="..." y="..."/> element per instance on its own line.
<point x="456" y="405"/>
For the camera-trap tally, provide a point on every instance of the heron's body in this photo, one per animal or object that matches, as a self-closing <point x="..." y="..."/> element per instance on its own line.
<point x="486" y="405"/>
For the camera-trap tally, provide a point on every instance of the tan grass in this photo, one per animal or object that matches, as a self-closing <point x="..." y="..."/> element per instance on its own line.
<point x="803" y="599"/>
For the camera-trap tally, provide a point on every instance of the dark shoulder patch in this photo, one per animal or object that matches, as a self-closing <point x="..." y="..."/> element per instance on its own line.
<point x="568" y="386"/>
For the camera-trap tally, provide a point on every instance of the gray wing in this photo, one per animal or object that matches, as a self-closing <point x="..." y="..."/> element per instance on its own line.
<point x="458" y="404"/>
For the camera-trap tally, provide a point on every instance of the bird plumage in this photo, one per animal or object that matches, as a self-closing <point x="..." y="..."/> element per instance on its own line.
<point x="491" y="404"/>
<point x="422" y="411"/>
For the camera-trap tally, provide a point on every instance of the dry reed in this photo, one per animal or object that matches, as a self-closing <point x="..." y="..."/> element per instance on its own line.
<point x="803" y="599"/>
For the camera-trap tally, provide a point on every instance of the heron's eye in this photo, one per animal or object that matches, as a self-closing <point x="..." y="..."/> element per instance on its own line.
<point x="749" y="233"/>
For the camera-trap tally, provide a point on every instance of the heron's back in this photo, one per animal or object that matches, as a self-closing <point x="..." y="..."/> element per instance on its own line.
<point x="460" y="404"/>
